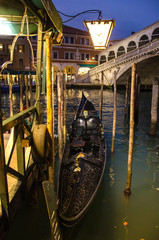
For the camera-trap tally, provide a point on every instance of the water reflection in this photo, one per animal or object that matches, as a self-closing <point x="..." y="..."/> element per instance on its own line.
<point x="111" y="216"/>
<point x="111" y="172"/>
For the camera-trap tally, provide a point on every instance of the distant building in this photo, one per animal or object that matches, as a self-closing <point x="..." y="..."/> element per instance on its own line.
<point x="75" y="56"/>
<point x="22" y="56"/>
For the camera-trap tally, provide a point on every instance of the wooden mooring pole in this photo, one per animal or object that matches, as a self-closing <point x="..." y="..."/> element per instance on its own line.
<point x="154" y="104"/>
<point x="21" y="92"/>
<point x="60" y="112"/>
<point x="127" y="94"/>
<point x="11" y="95"/>
<point x="26" y="91"/>
<point x="137" y="98"/>
<point x="49" y="106"/>
<point x="53" y="118"/>
<point x="114" y="115"/>
<point x="101" y="96"/>
<point x="64" y="110"/>
<point x="30" y="89"/>
<point x="131" y="131"/>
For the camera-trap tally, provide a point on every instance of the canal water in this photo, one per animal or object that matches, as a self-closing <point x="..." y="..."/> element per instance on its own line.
<point x="111" y="216"/>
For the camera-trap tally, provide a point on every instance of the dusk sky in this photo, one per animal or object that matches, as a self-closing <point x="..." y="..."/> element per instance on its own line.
<point x="130" y="15"/>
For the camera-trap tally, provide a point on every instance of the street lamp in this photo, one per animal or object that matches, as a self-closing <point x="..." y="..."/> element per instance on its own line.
<point x="100" y="31"/>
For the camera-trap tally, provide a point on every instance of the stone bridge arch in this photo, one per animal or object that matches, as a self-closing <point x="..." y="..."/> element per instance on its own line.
<point x="139" y="39"/>
<point x="144" y="51"/>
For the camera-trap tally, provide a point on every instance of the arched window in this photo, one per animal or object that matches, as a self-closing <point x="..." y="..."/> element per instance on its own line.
<point x="111" y="55"/>
<point x="155" y="34"/>
<point x="121" y="51"/>
<point x="103" y="59"/>
<point x="131" y="46"/>
<point x="143" y="40"/>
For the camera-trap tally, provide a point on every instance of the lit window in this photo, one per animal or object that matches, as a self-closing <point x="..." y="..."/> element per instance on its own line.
<point x="1" y="46"/>
<point x="9" y="48"/>
<point x="83" y="70"/>
<point x="87" y="56"/>
<point x="21" y="48"/>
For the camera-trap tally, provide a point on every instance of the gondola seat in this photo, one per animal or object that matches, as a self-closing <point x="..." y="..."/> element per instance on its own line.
<point x="77" y="142"/>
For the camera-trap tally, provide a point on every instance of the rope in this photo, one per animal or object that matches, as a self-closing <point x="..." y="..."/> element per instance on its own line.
<point x="25" y="18"/>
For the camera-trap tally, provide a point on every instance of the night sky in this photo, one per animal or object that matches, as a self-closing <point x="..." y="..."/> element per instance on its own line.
<point x="130" y="15"/>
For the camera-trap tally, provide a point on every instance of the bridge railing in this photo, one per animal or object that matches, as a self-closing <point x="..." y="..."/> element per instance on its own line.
<point x="143" y="52"/>
<point x="144" y="36"/>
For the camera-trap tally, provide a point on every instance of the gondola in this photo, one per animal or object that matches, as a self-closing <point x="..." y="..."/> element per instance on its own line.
<point x="82" y="165"/>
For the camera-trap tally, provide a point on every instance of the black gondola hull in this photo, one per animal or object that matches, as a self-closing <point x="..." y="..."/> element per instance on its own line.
<point x="82" y="166"/>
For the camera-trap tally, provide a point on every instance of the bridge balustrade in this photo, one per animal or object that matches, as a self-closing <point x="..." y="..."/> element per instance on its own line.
<point x="136" y="40"/>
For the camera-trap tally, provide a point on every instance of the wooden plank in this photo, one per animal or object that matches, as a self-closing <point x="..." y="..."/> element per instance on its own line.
<point x="18" y="118"/>
<point x="27" y="157"/>
<point x="20" y="152"/>
<point x="10" y="145"/>
<point x="50" y="198"/>
<point x="14" y="173"/>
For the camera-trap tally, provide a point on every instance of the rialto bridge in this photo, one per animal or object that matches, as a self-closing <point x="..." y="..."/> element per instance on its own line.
<point x="141" y="48"/>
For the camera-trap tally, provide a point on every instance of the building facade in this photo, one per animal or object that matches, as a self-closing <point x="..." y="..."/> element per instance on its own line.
<point x="74" y="57"/>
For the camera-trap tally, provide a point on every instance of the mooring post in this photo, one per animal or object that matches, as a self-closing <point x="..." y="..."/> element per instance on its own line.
<point x="49" y="104"/>
<point x="64" y="110"/>
<point x="38" y="70"/>
<point x="21" y="92"/>
<point x="30" y="89"/>
<point x="11" y="95"/>
<point x="60" y="112"/>
<point x="137" y="97"/>
<point x="126" y="97"/>
<point x="131" y="131"/>
<point x="3" y="176"/>
<point x="53" y="119"/>
<point x="154" y="104"/>
<point x="26" y="91"/>
<point x="101" y="96"/>
<point x="44" y="69"/>
<point x="114" y="115"/>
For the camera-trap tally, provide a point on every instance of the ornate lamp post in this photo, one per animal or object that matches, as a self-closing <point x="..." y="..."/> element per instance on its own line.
<point x="100" y="31"/>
